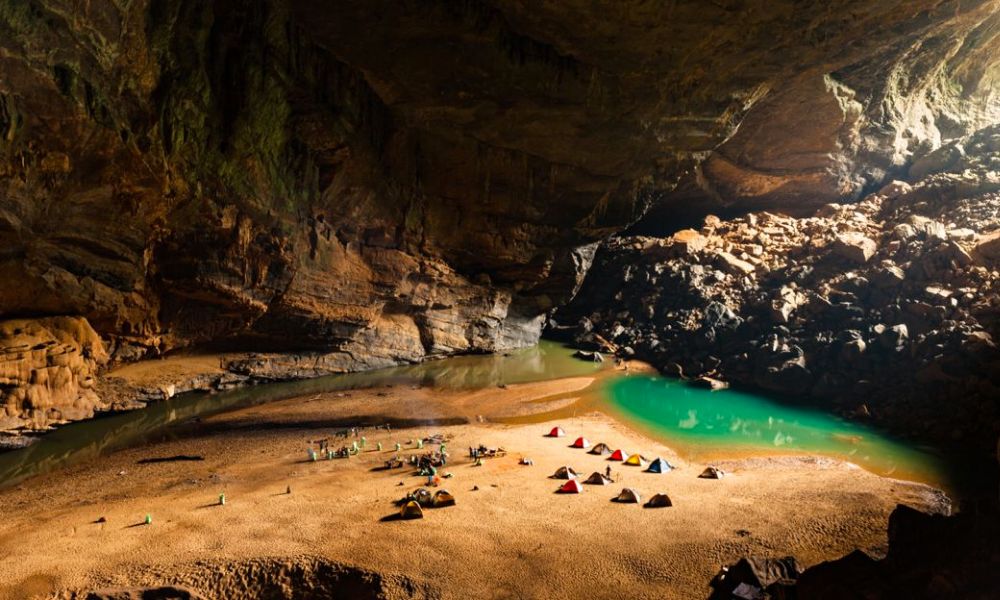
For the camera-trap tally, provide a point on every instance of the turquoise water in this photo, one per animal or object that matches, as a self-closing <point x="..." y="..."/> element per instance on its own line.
<point x="705" y="424"/>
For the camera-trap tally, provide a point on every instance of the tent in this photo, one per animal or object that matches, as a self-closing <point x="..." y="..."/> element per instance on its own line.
<point x="565" y="473"/>
<point x="423" y="497"/>
<point x="557" y="432"/>
<point x="411" y="510"/>
<point x="601" y="449"/>
<point x="581" y="442"/>
<point x="598" y="479"/>
<point x="636" y="461"/>
<point x="712" y="473"/>
<point x="659" y="466"/>
<point x="571" y="487"/>
<point x="629" y="496"/>
<point x="443" y="498"/>
<point x="618" y="455"/>
<point x="659" y="501"/>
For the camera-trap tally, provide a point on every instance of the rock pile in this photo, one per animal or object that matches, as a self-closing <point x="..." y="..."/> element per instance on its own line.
<point x="928" y="556"/>
<point x="887" y="308"/>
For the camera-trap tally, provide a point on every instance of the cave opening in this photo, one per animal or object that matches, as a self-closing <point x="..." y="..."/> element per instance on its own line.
<point x="333" y="241"/>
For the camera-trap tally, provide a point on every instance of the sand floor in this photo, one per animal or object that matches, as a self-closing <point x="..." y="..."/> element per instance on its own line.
<point x="513" y="538"/>
<point x="175" y="368"/>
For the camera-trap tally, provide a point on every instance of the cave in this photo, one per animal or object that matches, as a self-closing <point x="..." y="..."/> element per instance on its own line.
<point x="751" y="237"/>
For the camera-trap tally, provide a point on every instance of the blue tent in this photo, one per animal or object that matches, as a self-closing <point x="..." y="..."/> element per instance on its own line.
<point x="659" y="466"/>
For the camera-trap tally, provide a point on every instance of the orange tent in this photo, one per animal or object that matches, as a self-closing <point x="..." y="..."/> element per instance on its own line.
<point x="557" y="432"/>
<point x="571" y="487"/>
<point x="618" y="455"/>
<point x="581" y="442"/>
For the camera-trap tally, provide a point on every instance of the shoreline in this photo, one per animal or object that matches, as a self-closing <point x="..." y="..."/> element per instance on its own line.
<point x="185" y="373"/>
<point x="816" y="509"/>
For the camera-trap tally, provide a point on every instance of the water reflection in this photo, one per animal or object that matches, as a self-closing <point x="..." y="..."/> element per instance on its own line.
<point x="86" y="440"/>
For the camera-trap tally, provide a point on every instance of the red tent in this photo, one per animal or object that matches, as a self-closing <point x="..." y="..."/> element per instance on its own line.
<point x="557" y="432"/>
<point x="618" y="455"/>
<point x="581" y="443"/>
<point x="571" y="487"/>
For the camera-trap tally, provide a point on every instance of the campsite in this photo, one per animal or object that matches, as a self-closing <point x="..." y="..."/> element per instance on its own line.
<point x="507" y="514"/>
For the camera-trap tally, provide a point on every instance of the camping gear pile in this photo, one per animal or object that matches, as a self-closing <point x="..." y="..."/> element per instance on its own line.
<point x="425" y="461"/>
<point x="485" y="452"/>
<point x="413" y="504"/>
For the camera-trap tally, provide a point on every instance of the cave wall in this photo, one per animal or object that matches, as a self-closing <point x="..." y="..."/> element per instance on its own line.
<point x="185" y="172"/>
<point x="371" y="182"/>
<point x="837" y="133"/>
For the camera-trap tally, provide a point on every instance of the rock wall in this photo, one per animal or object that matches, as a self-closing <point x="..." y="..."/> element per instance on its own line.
<point x="48" y="371"/>
<point x="839" y="133"/>
<point x="888" y="309"/>
<point x="186" y="172"/>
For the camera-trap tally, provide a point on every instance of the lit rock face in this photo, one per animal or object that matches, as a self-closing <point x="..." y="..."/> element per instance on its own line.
<point x="378" y="181"/>
<point x="48" y="371"/>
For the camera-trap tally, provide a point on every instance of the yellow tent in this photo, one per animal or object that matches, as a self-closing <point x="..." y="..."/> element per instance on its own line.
<point x="636" y="461"/>
<point x="443" y="498"/>
<point x="411" y="510"/>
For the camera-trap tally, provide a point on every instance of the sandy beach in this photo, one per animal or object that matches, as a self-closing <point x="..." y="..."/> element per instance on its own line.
<point x="82" y="528"/>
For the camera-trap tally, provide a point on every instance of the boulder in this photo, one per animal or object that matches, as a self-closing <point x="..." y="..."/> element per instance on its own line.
<point x="589" y="356"/>
<point x="732" y="265"/>
<point x="988" y="247"/>
<point x="710" y="383"/>
<point x="688" y="241"/>
<point x="937" y="161"/>
<point x="892" y="338"/>
<point x="854" y="247"/>
<point x="887" y="275"/>
<point x="895" y="189"/>
<point x="904" y="232"/>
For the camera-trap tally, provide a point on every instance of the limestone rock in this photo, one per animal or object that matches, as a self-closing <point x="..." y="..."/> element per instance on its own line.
<point x="48" y="370"/>
<point x="733" y="265"/>
<point x="988" y="247"/>
<point x="688" y="241"/>
<point x="855" y="247"/>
